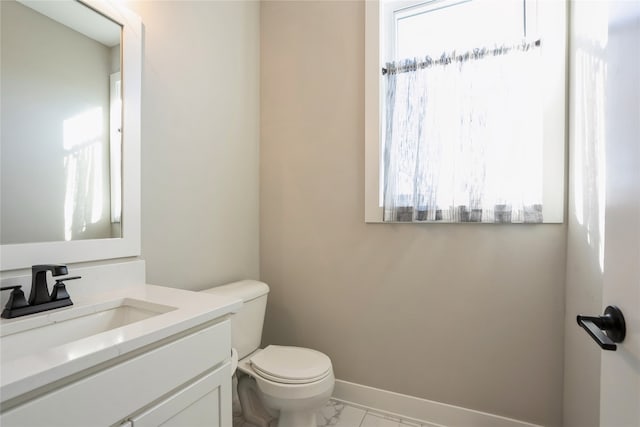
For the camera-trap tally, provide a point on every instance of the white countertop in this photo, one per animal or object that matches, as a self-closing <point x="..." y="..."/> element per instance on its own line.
<point x="29" y="372"/>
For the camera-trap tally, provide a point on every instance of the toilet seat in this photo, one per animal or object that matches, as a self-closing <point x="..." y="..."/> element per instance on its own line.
<point x="290" y="365"/>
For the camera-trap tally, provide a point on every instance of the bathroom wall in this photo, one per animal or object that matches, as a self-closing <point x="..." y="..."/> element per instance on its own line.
<point x="470" y="315"/>
<point x="200" y="131"/>
<point x="115" y="59"/>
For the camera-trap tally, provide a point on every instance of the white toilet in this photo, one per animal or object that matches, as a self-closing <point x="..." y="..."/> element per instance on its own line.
<point x="292" y="383"/>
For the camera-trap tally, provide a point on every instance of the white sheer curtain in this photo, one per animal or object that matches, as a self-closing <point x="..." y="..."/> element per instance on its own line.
<point x="463" y="138"/>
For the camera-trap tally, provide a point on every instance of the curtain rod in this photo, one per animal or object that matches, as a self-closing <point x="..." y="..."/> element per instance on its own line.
<point x="447" y="58"/>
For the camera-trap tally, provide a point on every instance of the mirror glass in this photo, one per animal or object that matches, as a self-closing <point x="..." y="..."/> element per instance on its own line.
<point x="61" y="123"/>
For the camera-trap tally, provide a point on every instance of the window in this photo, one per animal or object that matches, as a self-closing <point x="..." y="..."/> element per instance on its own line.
<point x="417" y="28"/>
<point x="448" y="137"/>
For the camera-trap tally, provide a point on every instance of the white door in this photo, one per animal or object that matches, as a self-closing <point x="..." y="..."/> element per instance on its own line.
<point x="620" y="375"/>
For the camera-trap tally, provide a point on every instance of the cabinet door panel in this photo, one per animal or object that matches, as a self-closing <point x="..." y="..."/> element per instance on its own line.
<point x="204" y="412"/>
<point x="204" y="403"/>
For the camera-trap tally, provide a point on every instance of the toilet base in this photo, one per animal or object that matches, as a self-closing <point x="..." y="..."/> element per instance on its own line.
<point x="298" y="412"/>
<point x="260" y="409"/>
<point x="253" y="411"/>
<point x="297" y="419"/>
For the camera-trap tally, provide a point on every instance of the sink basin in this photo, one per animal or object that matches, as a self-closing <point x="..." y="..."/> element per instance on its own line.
<point x="32" y="335"/>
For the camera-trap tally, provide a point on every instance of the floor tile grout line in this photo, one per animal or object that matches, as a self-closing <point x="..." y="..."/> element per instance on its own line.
<point x="363" y="417"/>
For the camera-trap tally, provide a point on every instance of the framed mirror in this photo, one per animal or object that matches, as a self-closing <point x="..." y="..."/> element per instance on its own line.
<point x="70" y="184"/>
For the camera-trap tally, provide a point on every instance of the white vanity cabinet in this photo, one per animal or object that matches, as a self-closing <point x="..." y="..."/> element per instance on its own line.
<point x="181" y="380"/>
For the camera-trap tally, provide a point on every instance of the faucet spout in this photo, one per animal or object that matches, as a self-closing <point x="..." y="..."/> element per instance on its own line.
<point x="39" y="288"/>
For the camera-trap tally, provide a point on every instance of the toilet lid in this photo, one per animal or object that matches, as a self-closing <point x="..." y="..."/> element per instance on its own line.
<point x="291" y="365"/>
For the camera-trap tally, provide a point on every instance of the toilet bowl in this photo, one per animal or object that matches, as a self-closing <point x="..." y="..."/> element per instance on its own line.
<point x="292" y="383"/>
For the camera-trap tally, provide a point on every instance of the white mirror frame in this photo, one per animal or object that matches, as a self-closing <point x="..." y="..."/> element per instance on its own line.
<point x="18" y="256"/>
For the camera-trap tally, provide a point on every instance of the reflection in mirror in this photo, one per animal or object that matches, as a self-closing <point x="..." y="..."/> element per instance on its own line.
<point x="61" y="120"/>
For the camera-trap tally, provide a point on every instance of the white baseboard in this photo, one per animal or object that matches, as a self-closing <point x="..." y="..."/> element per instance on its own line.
<point x="419" y="409"/>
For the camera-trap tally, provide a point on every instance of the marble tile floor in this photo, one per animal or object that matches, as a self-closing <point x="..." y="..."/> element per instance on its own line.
<point x="340" y="414"/>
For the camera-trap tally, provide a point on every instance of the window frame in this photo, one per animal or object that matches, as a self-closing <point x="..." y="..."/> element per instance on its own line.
<point x="549" y="21"/>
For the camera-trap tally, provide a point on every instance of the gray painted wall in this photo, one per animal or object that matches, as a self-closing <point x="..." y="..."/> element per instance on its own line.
<point x="200" y="130"/>
<point x="464" y="314"/>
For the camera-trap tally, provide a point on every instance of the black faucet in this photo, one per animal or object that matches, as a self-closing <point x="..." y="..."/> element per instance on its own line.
<point x="39" y="288"/>
<point x="39" y="299"/>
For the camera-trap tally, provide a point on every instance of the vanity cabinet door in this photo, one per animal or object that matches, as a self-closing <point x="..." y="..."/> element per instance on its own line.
<point x="205" y="402"/>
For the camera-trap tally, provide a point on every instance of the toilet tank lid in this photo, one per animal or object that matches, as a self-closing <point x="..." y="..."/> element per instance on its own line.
<point x="246" y="290"/>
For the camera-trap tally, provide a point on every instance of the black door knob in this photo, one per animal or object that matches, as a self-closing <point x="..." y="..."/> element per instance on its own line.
<point x="606" y="330"/>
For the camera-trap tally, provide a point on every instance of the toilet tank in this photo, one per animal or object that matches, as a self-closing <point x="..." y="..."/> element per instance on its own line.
<point x="246" y="324"/>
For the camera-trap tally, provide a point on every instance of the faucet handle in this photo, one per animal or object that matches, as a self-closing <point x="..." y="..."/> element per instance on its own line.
<point x="59" y="291"/>
<point x="16" y="299"/>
